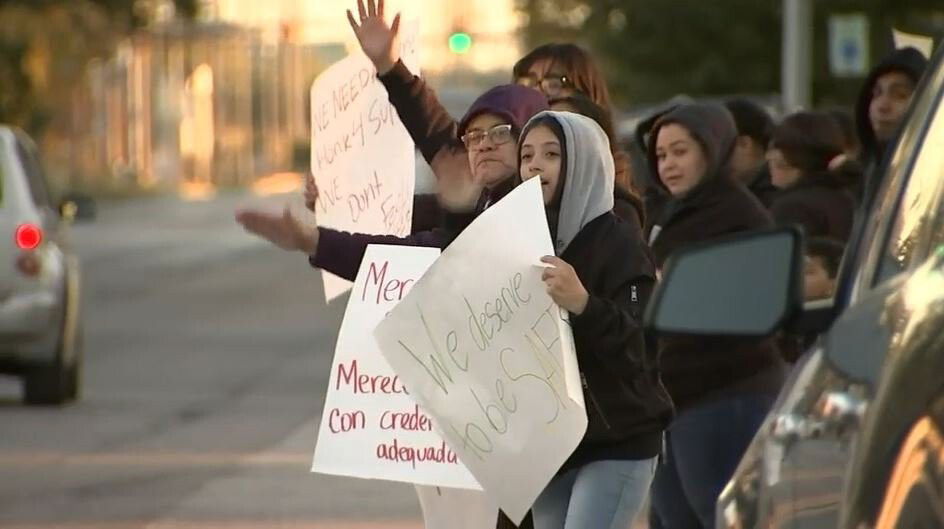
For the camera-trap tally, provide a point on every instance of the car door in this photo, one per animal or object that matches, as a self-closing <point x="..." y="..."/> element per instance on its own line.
<point x="896" y="240"/>
<point x="900" y="439"/>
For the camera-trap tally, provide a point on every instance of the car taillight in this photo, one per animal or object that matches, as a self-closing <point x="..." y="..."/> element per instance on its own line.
<point x="28" y="236"/>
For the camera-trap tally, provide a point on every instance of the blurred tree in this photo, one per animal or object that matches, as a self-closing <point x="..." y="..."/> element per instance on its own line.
<point x="46" y="44"/>
<point x="653" y="49"/>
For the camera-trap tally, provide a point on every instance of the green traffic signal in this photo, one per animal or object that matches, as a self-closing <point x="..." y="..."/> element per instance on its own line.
<point x="460" y="43"/>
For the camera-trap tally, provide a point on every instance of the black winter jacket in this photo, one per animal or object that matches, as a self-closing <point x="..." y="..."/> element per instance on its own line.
<point x="627" y="407"/>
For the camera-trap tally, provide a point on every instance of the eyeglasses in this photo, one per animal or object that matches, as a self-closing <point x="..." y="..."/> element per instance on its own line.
<point x="551" y="84"/>
<point x="498" y="135"/>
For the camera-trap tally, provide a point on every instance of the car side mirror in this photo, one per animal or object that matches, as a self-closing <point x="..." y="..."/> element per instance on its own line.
<point x="749" y="285"/>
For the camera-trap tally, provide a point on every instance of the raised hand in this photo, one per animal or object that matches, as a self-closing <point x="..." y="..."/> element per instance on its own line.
<point x="458" y="189"/>
<point x="282" y="230"/>
<point x="564" y="286"/>
<point x="378" y="40"/>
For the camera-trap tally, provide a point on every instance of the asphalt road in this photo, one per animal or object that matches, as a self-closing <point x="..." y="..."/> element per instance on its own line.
<point x="207" y="358"/>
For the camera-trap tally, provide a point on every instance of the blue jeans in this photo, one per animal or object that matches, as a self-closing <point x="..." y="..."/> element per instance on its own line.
<point x="703" y="449"/>
<point x="599" y="495"/>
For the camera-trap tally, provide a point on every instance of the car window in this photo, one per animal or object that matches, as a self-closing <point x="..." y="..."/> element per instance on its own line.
<point x="34" y="175"/>
<point x="919" y="221"/>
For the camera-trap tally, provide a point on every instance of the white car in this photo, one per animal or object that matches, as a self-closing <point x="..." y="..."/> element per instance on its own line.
<point x="40" y="323"/>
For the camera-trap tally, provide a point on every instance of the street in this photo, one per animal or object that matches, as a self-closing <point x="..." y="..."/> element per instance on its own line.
<point x="207" y="355"/>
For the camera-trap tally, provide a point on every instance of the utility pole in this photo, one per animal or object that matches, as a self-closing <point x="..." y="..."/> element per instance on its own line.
<point x="796" y="63"/>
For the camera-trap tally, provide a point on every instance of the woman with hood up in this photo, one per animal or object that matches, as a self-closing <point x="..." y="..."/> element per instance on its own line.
<point x="602" y="275"/>
<point x="722" y="387"/>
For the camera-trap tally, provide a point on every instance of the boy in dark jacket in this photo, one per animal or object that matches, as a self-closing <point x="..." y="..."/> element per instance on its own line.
<point x="881" y="106"/>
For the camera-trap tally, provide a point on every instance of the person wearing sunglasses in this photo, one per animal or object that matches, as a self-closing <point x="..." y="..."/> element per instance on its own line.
<point x="557" y="70"/>
<point x="561" y="70"/>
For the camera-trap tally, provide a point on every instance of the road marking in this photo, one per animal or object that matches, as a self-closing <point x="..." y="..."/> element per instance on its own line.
<point x="234" y="524"/>
<point x="186" y="459"/>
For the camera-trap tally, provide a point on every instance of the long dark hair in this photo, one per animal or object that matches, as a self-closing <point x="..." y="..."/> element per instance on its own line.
<point x="583" y="105"/>
<point x="624" y="185"/>
<point x="579" y="66"/>
<point x="810" y="141"/>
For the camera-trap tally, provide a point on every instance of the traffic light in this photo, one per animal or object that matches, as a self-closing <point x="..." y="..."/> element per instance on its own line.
<point x="460" y="42"/>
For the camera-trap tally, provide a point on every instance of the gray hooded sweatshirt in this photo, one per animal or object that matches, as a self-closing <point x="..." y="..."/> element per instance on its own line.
<point x="627" y="405"/>
<point x="589" y="175"/>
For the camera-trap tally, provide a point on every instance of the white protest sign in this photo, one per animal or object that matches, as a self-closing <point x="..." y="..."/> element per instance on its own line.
<point x="370" y="427"/>
<point x="487" y="353"/>
<point x="445" y="508"/>
<point x="362" y="157"/>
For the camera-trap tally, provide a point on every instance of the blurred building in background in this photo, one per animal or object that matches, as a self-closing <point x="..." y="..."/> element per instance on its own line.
<point x="223" y="100"/>
<point x="179" y="103"/>
<point x="492" y="27"/>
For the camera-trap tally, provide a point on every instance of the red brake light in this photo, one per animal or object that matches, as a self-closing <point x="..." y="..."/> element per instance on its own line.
<point x="28" y="236"/>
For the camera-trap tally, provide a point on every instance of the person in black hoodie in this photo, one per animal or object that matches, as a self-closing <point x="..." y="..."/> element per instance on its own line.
<point x="808" y="164"/>
<point x="754" y="126"/>
<point x="880" y="109"/>
<point x="722" y="387"/>
<point x="654" y="194"/>
<point x="602" y="275"/>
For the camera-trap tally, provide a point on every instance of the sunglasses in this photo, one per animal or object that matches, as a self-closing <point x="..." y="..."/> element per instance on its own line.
<point x="497" y="135"/>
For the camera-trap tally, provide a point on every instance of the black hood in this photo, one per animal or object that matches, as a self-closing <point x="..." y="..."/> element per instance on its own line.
<point x="713" y="128"/>
<point x="908" y="61"/>
<point x="642" y="136"/>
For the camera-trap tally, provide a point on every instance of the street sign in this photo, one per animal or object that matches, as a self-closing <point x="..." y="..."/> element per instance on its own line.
<point x="848" y="45"/>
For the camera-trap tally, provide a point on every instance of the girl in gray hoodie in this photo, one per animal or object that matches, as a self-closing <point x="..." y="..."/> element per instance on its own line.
<point x="602" y="275"/>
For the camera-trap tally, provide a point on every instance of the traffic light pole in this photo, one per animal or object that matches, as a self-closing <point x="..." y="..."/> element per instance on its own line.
<point x="796" y="62"/>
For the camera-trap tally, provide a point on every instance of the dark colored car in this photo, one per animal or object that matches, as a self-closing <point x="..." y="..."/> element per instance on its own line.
<point x="856" y="438"/>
